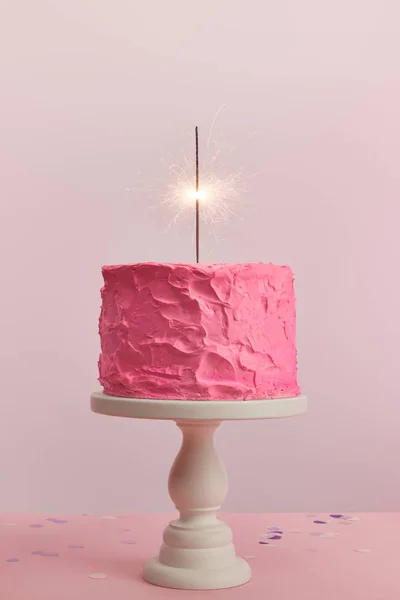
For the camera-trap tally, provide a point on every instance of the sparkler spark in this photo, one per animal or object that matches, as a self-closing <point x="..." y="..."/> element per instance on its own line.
<point x="219" y="192"/>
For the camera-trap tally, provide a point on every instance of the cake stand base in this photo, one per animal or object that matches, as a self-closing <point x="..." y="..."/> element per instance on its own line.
<point x="157" y="573"/>
<point x="197" y="551"/>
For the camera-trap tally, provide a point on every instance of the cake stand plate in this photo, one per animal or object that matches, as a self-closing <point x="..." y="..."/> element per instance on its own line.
<point x="197" y="551"/>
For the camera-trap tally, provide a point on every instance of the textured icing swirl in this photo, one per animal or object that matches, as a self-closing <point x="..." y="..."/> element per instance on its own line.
<point x="198" y="332"/>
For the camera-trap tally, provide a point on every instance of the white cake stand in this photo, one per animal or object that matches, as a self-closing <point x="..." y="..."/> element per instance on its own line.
<point x="197" y="551"/>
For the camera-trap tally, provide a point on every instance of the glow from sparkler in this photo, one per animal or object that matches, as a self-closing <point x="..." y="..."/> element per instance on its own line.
<point x="219" y="192"/>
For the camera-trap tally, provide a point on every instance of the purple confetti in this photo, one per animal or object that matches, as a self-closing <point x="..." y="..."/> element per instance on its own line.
<point x="320" y="522"/>
<point x="336" y="516"/>
<point x="12" y="559"/>
<point x="128" y="542"/>
<point x="58" y="521"/>
<point x="264" y="543"/>
<point x="274" y="537"/>
<point x="36" y="525"/>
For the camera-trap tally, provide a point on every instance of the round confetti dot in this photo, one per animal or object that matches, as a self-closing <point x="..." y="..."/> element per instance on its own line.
<point x="128" y="542"/>
<point x="76" y="546"/>
<point x="36" y="525"/>
<point x="97" y="575"/>
<point x="264" y="543"/>
<point x="320" y="522"/>
<point x="273" y="536"/>
<point x="336" y="516"/>
<point x="49" y="553"/>
<point x="12" y="560"/>
<point x="363" y="550"/>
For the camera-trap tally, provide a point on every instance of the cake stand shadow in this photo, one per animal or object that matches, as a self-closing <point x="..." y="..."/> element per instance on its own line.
<point x="197" y="552"/>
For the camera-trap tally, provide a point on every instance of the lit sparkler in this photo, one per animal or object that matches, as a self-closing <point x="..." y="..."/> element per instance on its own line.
<point x="213" y="199"/>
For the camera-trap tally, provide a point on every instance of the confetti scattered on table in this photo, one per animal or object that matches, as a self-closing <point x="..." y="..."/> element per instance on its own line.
<point x="336" y="516"/>
<point x="60" y="558"/>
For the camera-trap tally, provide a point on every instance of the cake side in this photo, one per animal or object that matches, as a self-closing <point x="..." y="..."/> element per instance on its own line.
<point x="198" y="332"/>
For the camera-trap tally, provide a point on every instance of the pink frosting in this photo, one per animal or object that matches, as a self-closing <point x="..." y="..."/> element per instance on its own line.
<point x="198" y="332"/>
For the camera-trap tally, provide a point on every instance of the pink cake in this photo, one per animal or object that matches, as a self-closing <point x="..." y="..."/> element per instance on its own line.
<point x="198" y="332"/>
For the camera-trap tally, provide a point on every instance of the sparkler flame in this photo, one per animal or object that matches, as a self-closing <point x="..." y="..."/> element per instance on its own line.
<point x="219" y="193"/>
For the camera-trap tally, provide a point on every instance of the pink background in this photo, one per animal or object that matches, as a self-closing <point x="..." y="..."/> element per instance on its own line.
<point x="94" y="93"/>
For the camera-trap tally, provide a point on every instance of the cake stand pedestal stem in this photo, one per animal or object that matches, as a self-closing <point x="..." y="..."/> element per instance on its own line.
<point x="197" y="550"/>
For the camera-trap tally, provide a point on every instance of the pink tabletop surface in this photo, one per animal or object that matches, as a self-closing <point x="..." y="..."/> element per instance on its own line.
<point x="47" y="557"/>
